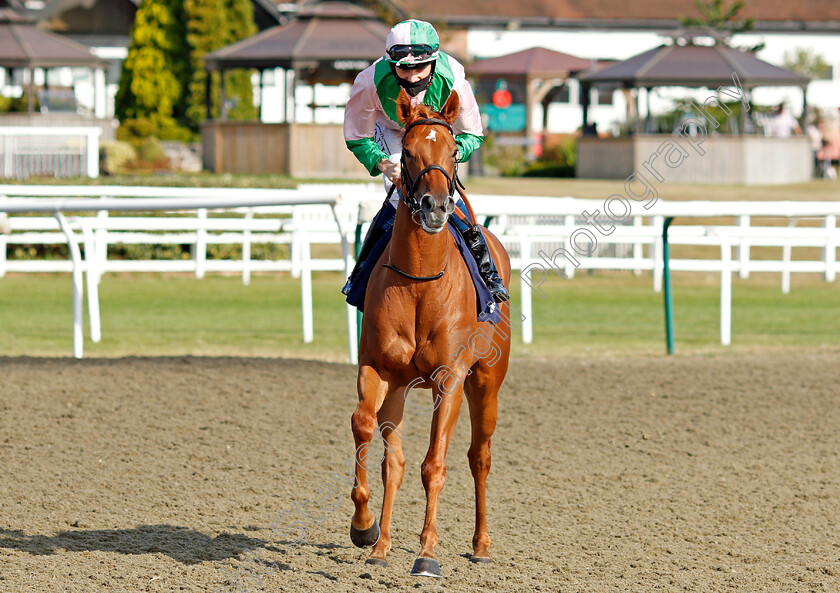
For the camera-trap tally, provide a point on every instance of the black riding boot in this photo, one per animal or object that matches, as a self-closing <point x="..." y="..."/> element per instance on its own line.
<point x="478" y="247"/>
<point x="375" y="233"/>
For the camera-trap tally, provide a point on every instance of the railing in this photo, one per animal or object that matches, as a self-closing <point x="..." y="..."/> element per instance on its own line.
<point x="173" y="199"/>
<point x="27" y="151"/>
<point x="636" y="246"/>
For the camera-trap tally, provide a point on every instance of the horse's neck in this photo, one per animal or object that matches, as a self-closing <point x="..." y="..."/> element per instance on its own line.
<point x="413" y="250"/>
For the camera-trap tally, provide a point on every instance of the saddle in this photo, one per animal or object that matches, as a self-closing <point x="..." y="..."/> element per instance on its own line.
<point x="486" y="308"/>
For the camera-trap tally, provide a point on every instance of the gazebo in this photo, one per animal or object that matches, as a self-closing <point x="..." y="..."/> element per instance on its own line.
<point x="327" y="43"/>
<point x="728" y="158"/>
<point x="538" y="73"/>
<point x="24" y="46"/>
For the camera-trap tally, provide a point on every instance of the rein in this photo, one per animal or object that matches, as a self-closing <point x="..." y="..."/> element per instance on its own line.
<point x="440" y="274"/>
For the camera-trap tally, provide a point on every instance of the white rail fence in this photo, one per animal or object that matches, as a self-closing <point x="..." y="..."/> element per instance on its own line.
<point x="52" y="151"/>
<point x="139" y="199"/>
<point x="533" y="229"/>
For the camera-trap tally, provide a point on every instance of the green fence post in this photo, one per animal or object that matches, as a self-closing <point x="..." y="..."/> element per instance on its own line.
<point x="666" y="278"/>
<point x="357" y="248"/>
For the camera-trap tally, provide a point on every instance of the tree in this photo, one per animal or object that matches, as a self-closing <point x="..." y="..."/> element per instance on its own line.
<point x="239" y="16"/>
<point x="723" y="18"/>
<point x="807" y="63"/>
<point x="206" y="32"/>
<point x="155" y="72"/>
<point x="211" y="25"/>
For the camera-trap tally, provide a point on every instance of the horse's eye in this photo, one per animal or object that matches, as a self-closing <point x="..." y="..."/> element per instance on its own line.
<point x="406" y="154"/>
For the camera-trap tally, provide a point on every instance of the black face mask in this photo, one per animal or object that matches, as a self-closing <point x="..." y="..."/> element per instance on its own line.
<point x="414" y="88"/>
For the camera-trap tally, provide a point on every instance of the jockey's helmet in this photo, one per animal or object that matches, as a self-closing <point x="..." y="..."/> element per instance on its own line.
<point x="412" y="43"/>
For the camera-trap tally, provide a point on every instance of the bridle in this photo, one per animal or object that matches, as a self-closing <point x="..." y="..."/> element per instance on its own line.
<point x="409" y="185"/>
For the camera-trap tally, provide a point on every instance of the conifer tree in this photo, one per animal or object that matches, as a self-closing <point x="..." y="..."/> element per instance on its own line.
<point x="239" y="16"/>
<point x="213" y="24"/>
<point x="206" y="32"/>
<point x="149" y="101"/>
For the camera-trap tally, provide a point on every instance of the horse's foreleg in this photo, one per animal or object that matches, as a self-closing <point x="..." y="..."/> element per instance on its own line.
<point x="393" y="467"/>
<point x="364" y="531"/>
<point x="483" y="401"/>
<point x="434" y="474"/>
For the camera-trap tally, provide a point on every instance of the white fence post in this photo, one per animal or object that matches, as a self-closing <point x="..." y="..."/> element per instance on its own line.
<point x="101" y="235"/>
<point x="78" y="288"/>
<point x="656" y="257"/>
<point x="744" y="249"/>
<point x="306" y="288"/>
<point x="525" y="289"/>
<point x="787" y="254"/>
<point x="246" y="249"/>
<point x="830" y="251"/>
<point x="725" y="291"/>
<point x="638" y="221"/>
<point x="91" y="261"/>
<point x="200" y="247"/>
<point x="570" y="224"/>
<point x="294" y="252"/>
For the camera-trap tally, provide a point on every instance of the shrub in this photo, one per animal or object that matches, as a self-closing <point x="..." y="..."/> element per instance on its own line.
<point x="115" y="155"/>
<point x="150" y="150"/>
<point x="501" y="159"/>
<point x="556" y="161"/>
<point x="18" y="104"/>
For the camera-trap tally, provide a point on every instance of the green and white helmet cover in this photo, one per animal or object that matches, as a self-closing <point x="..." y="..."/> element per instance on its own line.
<point x="411" y="43"/>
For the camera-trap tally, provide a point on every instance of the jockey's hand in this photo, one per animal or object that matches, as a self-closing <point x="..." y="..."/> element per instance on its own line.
<point x="390" y="170"/>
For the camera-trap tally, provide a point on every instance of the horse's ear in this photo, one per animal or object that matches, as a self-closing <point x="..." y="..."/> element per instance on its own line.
<point x="403" y="107"/>
<point x="450" y="110"/>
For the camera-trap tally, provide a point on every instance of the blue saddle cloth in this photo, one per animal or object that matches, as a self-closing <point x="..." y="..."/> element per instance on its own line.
<point x="486" y="307"/>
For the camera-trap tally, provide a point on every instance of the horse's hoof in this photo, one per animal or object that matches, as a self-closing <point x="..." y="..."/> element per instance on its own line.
<point x="480" y="559"/>
<point x="365" y="538"/>
<point x="426" y="567"/>
<point x="377" y="562"/>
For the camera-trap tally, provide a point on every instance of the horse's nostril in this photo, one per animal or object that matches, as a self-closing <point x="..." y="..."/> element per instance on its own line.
<point x="449" y="205"/>
<point x="427" y="203"/>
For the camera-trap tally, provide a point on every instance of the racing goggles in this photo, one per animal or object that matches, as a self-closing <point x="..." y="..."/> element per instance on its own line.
<point x="412" y="54"/>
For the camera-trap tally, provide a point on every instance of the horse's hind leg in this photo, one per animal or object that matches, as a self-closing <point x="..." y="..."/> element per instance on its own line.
<point x="393" y="467"/>
<point x="364" y="530"/>
<point x="482" y="389"/>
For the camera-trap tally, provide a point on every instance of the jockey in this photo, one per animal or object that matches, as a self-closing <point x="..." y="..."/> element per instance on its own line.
<point x="413" y="62"/>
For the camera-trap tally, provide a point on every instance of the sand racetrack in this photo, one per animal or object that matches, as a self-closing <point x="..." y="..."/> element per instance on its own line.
<point x="701" y="473"/>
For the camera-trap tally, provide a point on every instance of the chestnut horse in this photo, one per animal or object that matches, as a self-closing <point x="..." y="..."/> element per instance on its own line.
<point x="420" y="330"/>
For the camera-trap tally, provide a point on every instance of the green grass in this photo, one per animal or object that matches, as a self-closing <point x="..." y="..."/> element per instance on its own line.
<point x="149" y="315"/>
<point x="605" y="313"/>
<point x="620" y="314"/>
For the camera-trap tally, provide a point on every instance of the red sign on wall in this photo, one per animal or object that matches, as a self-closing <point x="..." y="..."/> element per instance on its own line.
<point x="502" y="98"/>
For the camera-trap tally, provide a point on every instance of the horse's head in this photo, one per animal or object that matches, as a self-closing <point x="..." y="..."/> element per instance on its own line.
<point x="428" y="160"/>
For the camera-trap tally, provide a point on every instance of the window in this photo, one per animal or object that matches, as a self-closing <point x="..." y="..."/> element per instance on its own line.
<point x="560" y="94"/>
<point x="112" y="74"/>
<point x="605" y="96"/>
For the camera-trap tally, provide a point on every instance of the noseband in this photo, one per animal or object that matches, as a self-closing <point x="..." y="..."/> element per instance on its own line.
<point x="409" y="185"/>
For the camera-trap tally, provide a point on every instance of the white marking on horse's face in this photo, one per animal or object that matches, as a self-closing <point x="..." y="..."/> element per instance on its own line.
<point x="432" y="136"/>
